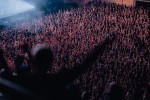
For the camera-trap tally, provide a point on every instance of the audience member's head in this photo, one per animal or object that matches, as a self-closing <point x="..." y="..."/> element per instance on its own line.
<point x="42" y="57"/>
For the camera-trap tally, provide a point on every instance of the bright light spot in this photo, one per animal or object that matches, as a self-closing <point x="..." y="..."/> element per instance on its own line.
<point x="13" y="7"/>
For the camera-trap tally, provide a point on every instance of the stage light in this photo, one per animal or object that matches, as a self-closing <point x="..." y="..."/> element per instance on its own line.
<point x="13" y="7"/>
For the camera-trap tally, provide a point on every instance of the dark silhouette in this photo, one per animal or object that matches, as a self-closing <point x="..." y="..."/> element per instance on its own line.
<point x="56" y="86"/>
<point x="42" y="58"/>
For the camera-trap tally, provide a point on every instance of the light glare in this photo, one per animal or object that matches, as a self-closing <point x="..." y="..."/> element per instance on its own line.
<point x="13" y="7"/>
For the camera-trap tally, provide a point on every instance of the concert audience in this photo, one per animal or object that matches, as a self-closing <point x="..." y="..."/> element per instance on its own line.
<point x="73" y="35"/>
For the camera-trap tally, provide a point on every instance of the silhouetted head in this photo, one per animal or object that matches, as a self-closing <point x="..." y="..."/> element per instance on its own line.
<point x="42" y="57"/>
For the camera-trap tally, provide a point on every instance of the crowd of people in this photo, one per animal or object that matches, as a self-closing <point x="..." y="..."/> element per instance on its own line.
<point x="73" y="34"/>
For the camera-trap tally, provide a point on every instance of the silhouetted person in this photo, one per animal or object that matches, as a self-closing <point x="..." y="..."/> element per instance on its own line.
<point x="50" y="86"/>
<point x="42" y="58"/>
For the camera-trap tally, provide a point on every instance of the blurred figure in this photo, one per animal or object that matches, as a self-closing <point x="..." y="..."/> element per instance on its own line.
<point x="42" y="58"/>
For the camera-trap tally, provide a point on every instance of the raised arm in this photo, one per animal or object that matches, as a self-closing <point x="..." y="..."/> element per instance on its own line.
<point x="67" y="76"/>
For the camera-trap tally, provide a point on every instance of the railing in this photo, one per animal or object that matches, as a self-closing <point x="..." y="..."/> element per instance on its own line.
<point x="15" y="91"/>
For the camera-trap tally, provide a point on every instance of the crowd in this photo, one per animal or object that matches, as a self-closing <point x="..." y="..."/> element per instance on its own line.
<point x="73" y="34"/>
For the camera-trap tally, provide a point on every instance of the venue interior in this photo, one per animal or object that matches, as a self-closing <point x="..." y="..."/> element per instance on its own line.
<point x="74" y="49"/>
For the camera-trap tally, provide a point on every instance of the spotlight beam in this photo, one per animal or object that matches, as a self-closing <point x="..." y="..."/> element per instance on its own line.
<point x="12" y="7"/>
